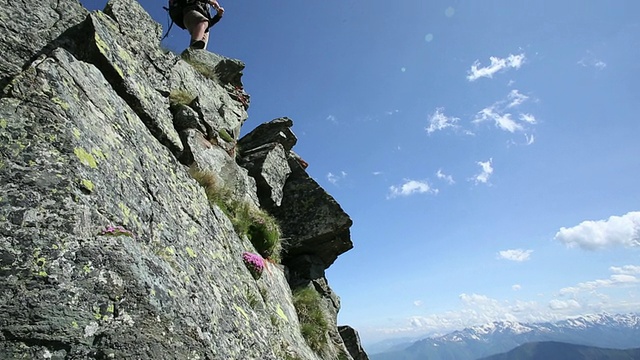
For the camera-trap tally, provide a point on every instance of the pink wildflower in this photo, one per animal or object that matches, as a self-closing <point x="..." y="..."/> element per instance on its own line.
<point x="255" y="264"/>
<point x="111" y="230"/>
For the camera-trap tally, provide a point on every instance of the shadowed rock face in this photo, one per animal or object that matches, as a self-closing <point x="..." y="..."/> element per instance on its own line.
<point x="108" y="247"/>
<point x="352" y="339"/>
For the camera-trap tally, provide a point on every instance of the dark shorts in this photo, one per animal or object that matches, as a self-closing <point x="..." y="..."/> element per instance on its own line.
<point x="192" y="18"/>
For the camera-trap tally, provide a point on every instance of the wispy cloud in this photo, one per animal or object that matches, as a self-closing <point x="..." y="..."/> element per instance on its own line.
<point x="411" y="187"/>
<point x="516" y="287"/>
<point x="518" y="255"/>
<point x="530" y="139"/>
<point x="497" y="64"/>
<point x="516" y="98"/>
<point x="594" y="235"/>
<point x="625" y="270"/>
<point x="557" y="304"/>
<point x="615" y="280"/>
<point x="590" y="60"/>
<point x="332" y="118"/>
<point x="445" y="177"/>
<point x="335" y="178"/>
<point x="500" y="114"/>
<point x="485" y="173"/>
<point x="439" y="121"/>
<point x="502" y="120"/>
<point x="417" y="303"/>
<point x="528" y="118"/>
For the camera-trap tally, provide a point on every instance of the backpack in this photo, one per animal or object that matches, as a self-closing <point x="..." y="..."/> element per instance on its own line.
<point x="176" y="12"/>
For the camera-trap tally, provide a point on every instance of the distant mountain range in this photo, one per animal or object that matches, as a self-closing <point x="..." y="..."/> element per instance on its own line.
<point x="551" y="350"/>
<point x="602" y="330"/>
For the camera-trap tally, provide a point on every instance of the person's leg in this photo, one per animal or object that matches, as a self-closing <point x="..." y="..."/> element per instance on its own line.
<point x="197" y="25"/>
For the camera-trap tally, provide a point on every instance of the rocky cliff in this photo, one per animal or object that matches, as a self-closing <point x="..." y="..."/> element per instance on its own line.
<point x="134" y="224"/>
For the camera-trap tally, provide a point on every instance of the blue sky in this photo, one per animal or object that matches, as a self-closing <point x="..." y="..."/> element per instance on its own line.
<point x="487" y="151"/>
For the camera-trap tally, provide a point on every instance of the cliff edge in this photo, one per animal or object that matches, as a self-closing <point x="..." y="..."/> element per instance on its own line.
<point x="134" y="224"/>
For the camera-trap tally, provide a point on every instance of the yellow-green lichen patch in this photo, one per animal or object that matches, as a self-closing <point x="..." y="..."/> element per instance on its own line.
<point x="281" y="313"/>
<point x="126" y="212"/>
<point x="86" y="268"/>
<point x="192" y="231"/>
<point x="3" y="123"/>
<point x="102" y="46"/>
<point x="98" y="153"/>
<point x="60" y="103"/>
<point x="76" y="133"/>
<point x="241" y="311"/>
<point x="190" y="252"/>
<point x="39" y="263"/>
<point x="87" y="184"/>
<point x="96" y="313"/>
<point x="85" y="157"/>
<point x="216" y="255"/>
<point x="74" y="324"/>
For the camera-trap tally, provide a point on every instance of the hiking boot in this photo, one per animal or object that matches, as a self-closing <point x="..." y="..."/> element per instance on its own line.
<point x="198" y="44"/>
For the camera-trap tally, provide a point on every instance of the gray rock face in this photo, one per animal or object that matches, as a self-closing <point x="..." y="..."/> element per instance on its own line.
<point x="108" y="247"/>
<point x="312" y="221"/>
<point x="23" y="37"/>
<point x="352" y="340"/>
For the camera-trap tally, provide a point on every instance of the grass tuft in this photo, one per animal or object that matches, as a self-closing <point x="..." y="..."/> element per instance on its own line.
<point x="259" y="227"/>
<point x="313" y="324"/>
<point x="179" y="96"/>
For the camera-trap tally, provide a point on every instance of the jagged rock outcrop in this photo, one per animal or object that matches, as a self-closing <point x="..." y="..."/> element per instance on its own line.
<point x="352" y="339"/>
<point x="108" y="246"/>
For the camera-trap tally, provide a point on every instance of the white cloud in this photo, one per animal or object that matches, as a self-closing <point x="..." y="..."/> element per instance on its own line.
<point x="497" y="113"/>
<point x="417" y="303"/>
<point x="439" y="121"/>
<point x="615" y="280"/>
<point x="497" y="64"/>
<point x="333" y="178"/>
<point x="594" y="235"/>
<point x="515" y="255"/>
<point x="528" y="118"/>
<point x="476" y="309"/>
<point x="515" y="98"/>
<point x="529" y="139"/>
<point x="600" y="64"/>
<point x="376" y="173"/>
<point x="556" y="304"/>
<point x="516" y="287"/>
<point x="332" y="119"/>
<point x="590" y="60"/>
<point x="501" y="120"/>
<point x="487" y="170"/>
<point x="627" y="269"/>
<point x="411" y="187"/>
<point x="445" y="177"/>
